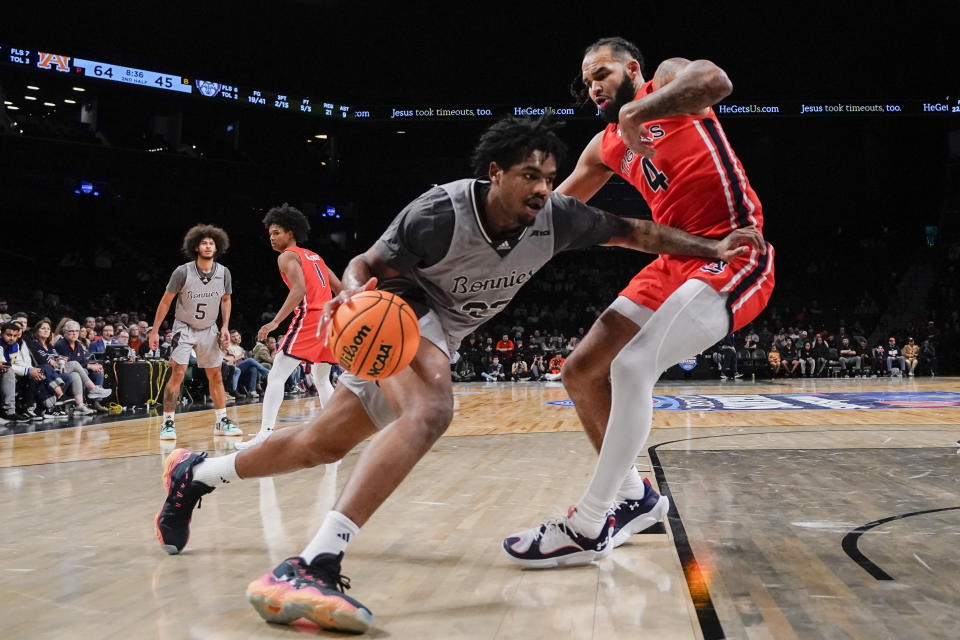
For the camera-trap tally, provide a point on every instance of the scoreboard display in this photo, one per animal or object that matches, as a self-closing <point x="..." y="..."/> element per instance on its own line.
<point x="269" y="100"/>
<point x="205" y="89"/>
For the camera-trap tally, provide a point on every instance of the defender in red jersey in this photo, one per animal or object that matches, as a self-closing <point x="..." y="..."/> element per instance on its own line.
<point x="311" y="286"/>
<point x="663" y="138"/>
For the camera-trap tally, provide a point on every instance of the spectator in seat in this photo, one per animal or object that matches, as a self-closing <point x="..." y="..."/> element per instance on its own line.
<point x="879" y="359"/>
<point x="92" y="372"/>
<point x="244" y="365"/>
<point x="494" y="372"/>
<point x="911" y="352"/>
<point x="895" y="356"/>
<point x="790" y="357"/>
<point x="105" y="340"/>
<point x="848" y="357"/>
<point x="72" y="374"/>
<point x="807" y="361"/>
<point x="553" y="369"/>
<point x="821" y="352"/>
<point x="123" y="340"/>
<point x="537" y="368"/>
<point x="928" y="357"/>
<point x="505" y="348"/>
<point x="135" y="339"/>
<point x="261" y="353"/>
<point x="464" y="370"/>
<point x="519" y="371"/>
<point x="11" y="367"/>
<point x="773" y="359"/>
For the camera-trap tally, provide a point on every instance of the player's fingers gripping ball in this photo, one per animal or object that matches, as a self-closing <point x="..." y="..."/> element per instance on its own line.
<point x="375" y="335"/>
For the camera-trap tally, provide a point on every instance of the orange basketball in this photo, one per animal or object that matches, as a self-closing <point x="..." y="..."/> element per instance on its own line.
<point x="375" y="335"/>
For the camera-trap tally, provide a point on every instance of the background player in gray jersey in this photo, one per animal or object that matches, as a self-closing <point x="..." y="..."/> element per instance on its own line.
<point x="202" y="288"/>
<point x="477" y="225"/>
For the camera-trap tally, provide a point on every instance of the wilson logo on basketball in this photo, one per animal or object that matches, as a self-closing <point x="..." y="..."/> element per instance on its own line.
<point x="349" y="351"/>
<point x="375" y="335"/>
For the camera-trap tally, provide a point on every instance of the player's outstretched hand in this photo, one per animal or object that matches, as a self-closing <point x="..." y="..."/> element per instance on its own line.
<point x="740" y="242"/>
<point x="344" y="297"/>
<point x="266" y="330"/>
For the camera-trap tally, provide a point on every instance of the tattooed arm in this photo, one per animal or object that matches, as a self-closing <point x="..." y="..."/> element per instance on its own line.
<point x="681" y="87"/>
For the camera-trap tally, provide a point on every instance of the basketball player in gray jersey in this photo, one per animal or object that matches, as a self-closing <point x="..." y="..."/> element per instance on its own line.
<point x="202" y="289"/>
<point x="458" y="254"/>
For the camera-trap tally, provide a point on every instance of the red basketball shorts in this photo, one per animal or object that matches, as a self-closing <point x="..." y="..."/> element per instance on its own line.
<point x="747" y="282"/>
<point x="305" y="341"/>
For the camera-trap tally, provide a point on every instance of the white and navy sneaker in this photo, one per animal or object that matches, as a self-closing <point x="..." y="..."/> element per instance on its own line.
<point x="555" y="543"/>
<point x="633" y="516"/>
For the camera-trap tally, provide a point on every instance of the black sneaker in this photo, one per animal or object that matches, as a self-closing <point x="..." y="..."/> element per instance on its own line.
<point x="555" y="543"/>
<point x="633" y="516"/>
<point x="172" y="524"/>
<point x="314" y="592"/>
<point x="13" y="416"/>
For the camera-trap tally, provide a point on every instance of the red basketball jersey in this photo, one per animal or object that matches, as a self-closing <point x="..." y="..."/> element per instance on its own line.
<point x="304" y="338"/>
<point x="695" y="182"/>
<point x="315" y="276"/>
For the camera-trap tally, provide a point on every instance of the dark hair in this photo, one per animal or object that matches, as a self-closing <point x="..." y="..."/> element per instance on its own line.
<point x="620" y="47"/>
<point x="196" y="234"/>
<point x="7" y="326"/>
<point x="36" y="327"/>
<point x="511" y="140"/>
<point x="289" y="218"/>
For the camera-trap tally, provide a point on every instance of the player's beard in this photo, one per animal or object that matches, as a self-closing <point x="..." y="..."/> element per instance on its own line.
<point x="625" y="93"/>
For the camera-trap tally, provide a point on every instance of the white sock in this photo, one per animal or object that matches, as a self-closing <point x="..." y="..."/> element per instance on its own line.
<point x="633" y="487"/>
<point x="168" y="415"/>
<point x="219" y="414"/>
<point x="283" y="366"/>
<point x="691" y="319"/>
<point x="588" y="517"/>
<point x="334" y="535"/>
<point x="216" y="471"/>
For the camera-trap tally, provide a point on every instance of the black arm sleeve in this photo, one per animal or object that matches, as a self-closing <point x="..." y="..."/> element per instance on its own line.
<point x="420" y="234"/>
<point x="578" y="225"/>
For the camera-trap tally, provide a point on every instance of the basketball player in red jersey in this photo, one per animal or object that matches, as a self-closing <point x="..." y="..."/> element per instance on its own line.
<point x="663" y="138"/>
<point x="310" y="283"/>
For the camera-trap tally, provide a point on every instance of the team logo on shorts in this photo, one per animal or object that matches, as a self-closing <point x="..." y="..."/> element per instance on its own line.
<point x="715" y="268"/>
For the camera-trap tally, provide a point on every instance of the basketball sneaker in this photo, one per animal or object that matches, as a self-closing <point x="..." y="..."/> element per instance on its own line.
<point x="168" y="431"/>
<point x="633" y="516"/>
<point x="172" y="524"/>
<point x="555" y="543"/>
<point x="226" y="427"/>
<point x="314" y="592"/>
<point x="257" y="439"/>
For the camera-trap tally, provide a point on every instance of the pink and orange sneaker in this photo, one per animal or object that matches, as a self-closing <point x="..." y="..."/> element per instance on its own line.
<point x="172" y="524"/>
<point x="314" y="592"/>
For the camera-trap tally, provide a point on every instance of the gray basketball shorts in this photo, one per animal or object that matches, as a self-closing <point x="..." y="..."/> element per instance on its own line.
<point x="206" y="342"/>
<point x="368" y="391"/>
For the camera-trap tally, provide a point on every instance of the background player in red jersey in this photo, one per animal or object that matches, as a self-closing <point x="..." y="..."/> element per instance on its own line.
<point x="665" y="140"/>
<point x="311" y="285"/>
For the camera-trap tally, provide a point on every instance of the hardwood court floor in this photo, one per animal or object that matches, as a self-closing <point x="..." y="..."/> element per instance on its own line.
<point x="764" y="498"/>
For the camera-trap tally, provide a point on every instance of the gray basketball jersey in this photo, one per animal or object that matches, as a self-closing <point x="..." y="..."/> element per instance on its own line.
<point x="472" y="283"/>
<point x="198" y="301"/>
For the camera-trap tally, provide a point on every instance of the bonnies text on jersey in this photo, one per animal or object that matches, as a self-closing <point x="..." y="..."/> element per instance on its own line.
<point x="463" y="284"/>
<point x="195" y="295"/>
